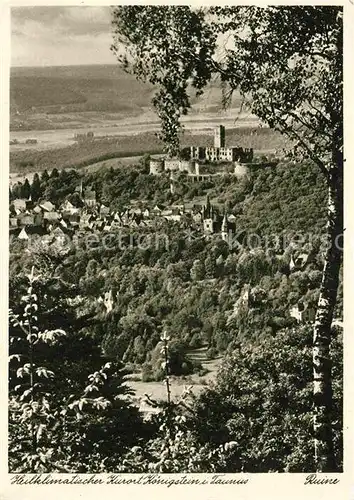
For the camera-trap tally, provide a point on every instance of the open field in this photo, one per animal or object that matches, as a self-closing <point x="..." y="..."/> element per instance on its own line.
<point x="146" y="122"/>
<point x="157" y="390"/>
<point x="22" y="162"/>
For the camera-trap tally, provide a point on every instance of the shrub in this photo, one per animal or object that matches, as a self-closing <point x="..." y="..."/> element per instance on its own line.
<point x="147" y="374"/>
<point x="179" y="364"/>
<point x="262" y="400"/>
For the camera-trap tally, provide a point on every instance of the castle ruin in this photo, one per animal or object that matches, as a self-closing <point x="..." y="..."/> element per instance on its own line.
<point x="198" y="155"/>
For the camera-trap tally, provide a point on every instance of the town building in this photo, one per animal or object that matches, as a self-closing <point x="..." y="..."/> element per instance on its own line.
<point x="197" y="152"/>
<point x="20" y="204"/>
<point x="157" y="167"/>
<point x="14" y="221"/>
<point x="90" y="198"/>
<point x="67" y="206"/>
<point x="51" y="216"/>
<point x="300" y="261"/>
<point x="104" y="211"/>
<point x="47" y="206"/>
<point x="26" y="220"/>
<point x="23" y="235"/>
<point x="303" y="313"/>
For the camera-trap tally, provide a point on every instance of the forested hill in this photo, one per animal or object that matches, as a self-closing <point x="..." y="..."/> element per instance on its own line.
<point x="290" y="197"/>
<point x="192" y="286"/>
<point x="271" y="199"/>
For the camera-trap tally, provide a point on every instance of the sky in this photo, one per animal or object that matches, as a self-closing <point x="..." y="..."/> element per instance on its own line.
<point x="60" y="36"/>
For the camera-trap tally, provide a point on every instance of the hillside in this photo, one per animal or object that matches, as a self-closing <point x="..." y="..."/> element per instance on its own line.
<point x="75" y="89"/>
<point x="211" y="296"/>
<point x="192" y="285"/>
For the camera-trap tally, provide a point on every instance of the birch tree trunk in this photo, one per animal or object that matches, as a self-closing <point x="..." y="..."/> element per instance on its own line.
<point x="322" y="383"/>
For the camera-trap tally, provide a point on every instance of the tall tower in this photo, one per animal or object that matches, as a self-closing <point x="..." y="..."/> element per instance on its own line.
<point x="219" y="137"/>
<point x="224" y="232"/>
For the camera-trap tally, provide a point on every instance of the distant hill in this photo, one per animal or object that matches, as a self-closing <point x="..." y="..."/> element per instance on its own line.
<point x="41" y="97"/>
<point x="68" y="89"/>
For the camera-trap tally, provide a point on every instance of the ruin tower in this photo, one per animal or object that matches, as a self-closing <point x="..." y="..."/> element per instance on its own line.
<point x="219" y="137"/>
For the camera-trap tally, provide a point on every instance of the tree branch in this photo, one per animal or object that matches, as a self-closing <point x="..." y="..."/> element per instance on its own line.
<point x="312" y="155"/>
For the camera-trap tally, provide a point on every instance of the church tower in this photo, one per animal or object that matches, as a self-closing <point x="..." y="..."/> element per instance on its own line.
<point x="224" y="229"/>
<point x="208" y="214"/>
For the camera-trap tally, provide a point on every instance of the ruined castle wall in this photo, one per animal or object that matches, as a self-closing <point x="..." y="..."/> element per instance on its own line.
<point x="156" y="167"/>
<point x="172" y="164"/>
<point x="187" y="166"/>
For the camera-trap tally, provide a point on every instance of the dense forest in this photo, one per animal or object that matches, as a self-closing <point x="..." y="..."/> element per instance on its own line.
<point x="194" y="289"/>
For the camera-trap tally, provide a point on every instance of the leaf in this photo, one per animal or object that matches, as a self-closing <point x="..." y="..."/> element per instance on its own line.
<point x="81" y="404"/>
<point x="87" y="389"/>
<point x="26" y="393"/>
<point x="42" y="371"/>
<point x="15" y="356"/>
<point x="230" y="445"/>
<point x="40" y="430"/>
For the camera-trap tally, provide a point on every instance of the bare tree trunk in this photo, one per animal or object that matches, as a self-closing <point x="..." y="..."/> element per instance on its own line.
<point x="322" y="380"/>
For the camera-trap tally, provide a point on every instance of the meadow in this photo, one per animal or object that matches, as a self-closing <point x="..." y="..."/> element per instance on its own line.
<point x="196" y="383"/>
